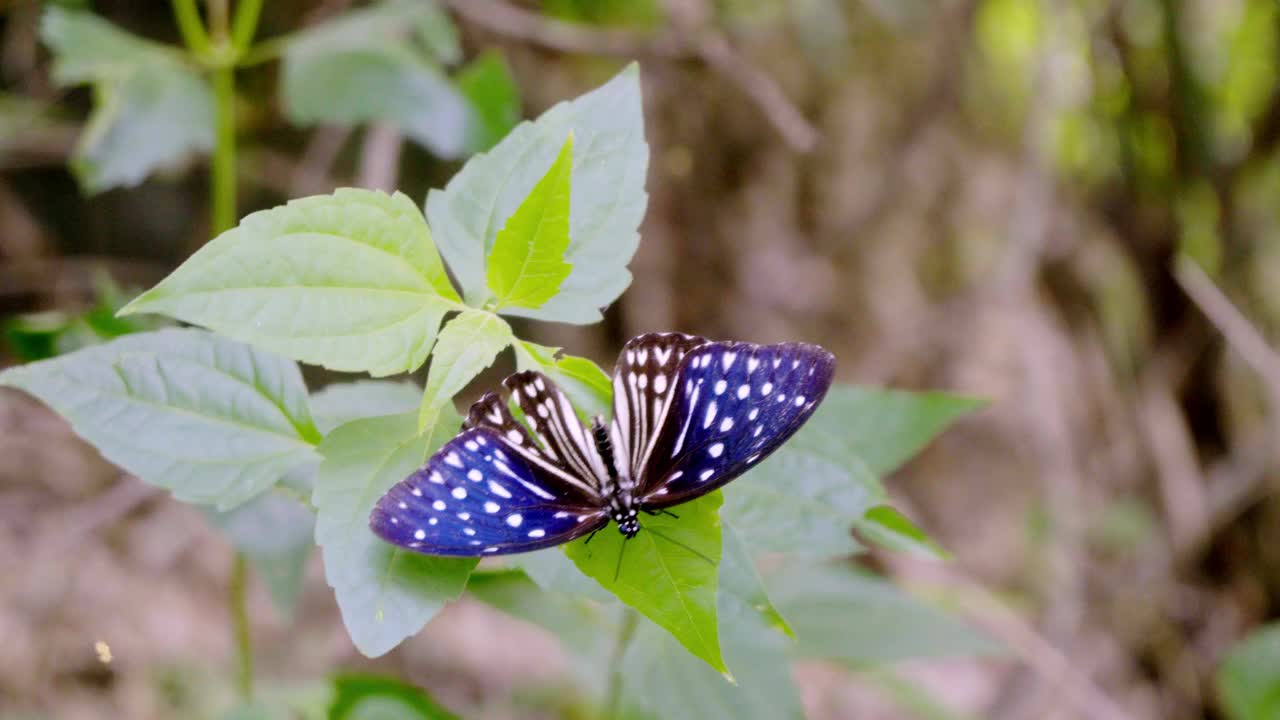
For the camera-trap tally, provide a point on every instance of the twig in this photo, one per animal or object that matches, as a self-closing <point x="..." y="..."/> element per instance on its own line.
<point x="380" y="157"/>
<point x="1243" y="337"/>
<point x="712" y="49"/>
<point x="238" y="600"/>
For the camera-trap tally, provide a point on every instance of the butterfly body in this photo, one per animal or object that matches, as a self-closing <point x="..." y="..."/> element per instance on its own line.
<point x="689" y="416"/>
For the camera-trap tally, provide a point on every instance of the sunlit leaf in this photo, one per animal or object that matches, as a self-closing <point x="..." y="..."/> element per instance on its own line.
<point x="669" y="572"/>
<point x="212" y="420"/>
<point x="350" y="281"/>
<point x="526" y="265"/>
<point x="606" y="206"/>
<point x="343" y="402"/>
<point x="371" y="697"/>
<point x="1249" y="678"/>
<point x="494" y="96"/>
<point x="467" y="345"/>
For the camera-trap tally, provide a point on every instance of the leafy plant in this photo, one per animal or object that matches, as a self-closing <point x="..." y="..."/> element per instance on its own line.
<point x="542" y="226"/>
<point x="1249" y="678"/>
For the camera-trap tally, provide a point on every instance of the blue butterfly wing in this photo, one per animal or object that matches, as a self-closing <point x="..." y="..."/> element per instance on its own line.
<point x="733" y="405"/>
<point x="479" y="495"/>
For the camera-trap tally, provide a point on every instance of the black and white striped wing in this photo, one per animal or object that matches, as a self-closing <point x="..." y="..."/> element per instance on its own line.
<point x="732" y="405"/>
<point x="548" y="411"/>
<point x="644" y="379"/>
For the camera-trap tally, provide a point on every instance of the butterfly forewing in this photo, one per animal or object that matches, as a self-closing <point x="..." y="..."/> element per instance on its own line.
<point x="548" y="411"/>
<point x="733" y="405"/>
<point x="643" y="382"/>
<point x="478" y="496"/>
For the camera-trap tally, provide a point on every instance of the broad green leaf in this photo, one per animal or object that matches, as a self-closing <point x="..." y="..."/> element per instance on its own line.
<point x="150" y="109"/>
<point x="885" y="526"/>
<point x="371" y="697"/>
<point x="494" y="96"/>
<point x="350" y="281"/>
<point x="882" y="428"/>
<point x="669" y="572"/>
<point x="214" y="421"/>
<point x="275" y="533"/>
<point x="1248" y="681"/>
<point x="526" y="265"/>
<point x="586" y="385"/>
<point x="798" y="502"/>
<point x="668" y="683"/>
<point x="585" y="627"/>
<point x="385" y="594"/>
<point x="607" y="198"/>
<point x="343" y="402"/>
<point x="841" y="613"/>
<point x="740" y="579"/>
<point x="467" y="345"/>
<point x="368" y="59"/>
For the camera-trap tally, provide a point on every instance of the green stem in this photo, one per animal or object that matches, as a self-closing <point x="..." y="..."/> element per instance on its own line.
<point x="245" y="23"/>
<point x="240" y="623"/>
<point x="222" y="178"/>
<point x="190" y="26"/>
<point x="613" y="696"/>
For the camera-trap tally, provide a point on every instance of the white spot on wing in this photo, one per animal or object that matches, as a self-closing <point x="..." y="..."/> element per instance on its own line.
<point x="752" y="364"/>
<point x="453" y="459"/>
<point x="491" y="507"/>
<point x="799" y="400"/>
<point x="716" y="450"/>
<point x="720" y="386"/>
<point x="464" y="516"/>
<point x="726" y="424"/>
<point x="468" y="531"/>
<point x="711" y="415"/>
<point x="537" y="533"/>
<point x="660" y="383"/>
<point x="419" y="534"/>
<point x="743" y="391"/>
<point x="766" y="388"/>
<point x="459" y="493"/>
<point x="499" y="490"/>
<point x="702" y="477"/>
<point x="727" y="360"/>
<point x="438" y="505"/>
<point x="472" y="446"/>
<point x="475" y="475"/>
<point x="514" y="519"/>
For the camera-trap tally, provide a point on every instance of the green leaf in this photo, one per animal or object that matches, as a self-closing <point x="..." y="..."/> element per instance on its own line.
<point x="840" y="613"/>
<point x="467" y="345"/>
<point x="668" y="683"/>
<point x="350" y="281"/>
<point x="385" y="593"/>
<point x="371" y="697"/>
<point x="882" y="428"/>
<point x="150" y="109"/>
<point x="495" y="99"/>
<point x="802" y="503"/>
<point x="740" y="580"/>
<point x="214" y="421"/>
<point x="585" y="384"/>
<point x="606" y="206"/>
<point x="669" y="572"/>
<point x="343" y="402"/>
<point x="368" y="59"/>
<point x="1248" y="680"/>
<point x="585" y="627"/>
<point x="275" y="534"/>
<point x="526" y="265"/>
<point x="890" y="529"/>
<point x="552" y="570"/>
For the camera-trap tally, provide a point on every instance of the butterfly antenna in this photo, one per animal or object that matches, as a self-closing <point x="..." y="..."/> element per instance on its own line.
<point x="673" y="541"/>
<point x="618" y="570"/>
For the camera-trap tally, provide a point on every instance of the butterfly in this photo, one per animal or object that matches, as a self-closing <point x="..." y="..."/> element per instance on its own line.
<point x="689" y="415"/>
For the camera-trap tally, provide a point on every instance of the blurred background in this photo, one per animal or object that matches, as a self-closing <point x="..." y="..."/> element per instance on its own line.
<point x="1065" y="206"/>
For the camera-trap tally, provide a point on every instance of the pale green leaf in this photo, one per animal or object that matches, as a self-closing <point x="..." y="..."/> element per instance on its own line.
<point x="887" y="527"/>
<point x="526" y="265"/>
<point x="552" y="570"/>
<point x="370" y="697"/>
<point x="583" y="382"/>
<point x="467" y="345"/>
<point x="740" y="579"/>
<point x="844" y="614"/>
<point x="212" y="420"/>
<point x="882" y="428"/>
<point x="1248" y="680"/>
<point x="385" y="593"/>
<point x="367" y="59"/>
<point x="150" y="109"/>
<point x="669" y="572"/>
<point x="275" y="533"/>
<point x="494" y="96"/>
<point x="799" y="502"/>
<point x="343" y="402"/>
<point x="350" y="281"/>
<point x="607" y="198"/>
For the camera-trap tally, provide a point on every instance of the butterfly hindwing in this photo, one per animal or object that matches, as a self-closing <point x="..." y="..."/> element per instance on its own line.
<point x="549" y="412"/>
<point x="734" y="404"/>
<point x="643" y="382"/>
<point x="478" y="496"/>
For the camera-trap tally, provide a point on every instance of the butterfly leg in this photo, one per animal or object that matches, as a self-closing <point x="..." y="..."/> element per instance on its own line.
<point x="588" y="540"/>
<point x="656" y="513"/>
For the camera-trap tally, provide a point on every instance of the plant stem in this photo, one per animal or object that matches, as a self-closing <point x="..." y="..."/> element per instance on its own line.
<point x="222" y="180"/>
<point x="240" y="623"/>
<point x="245" y="23"/>
<point x="190" y="26"/>
<point x="613" y="696"/>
